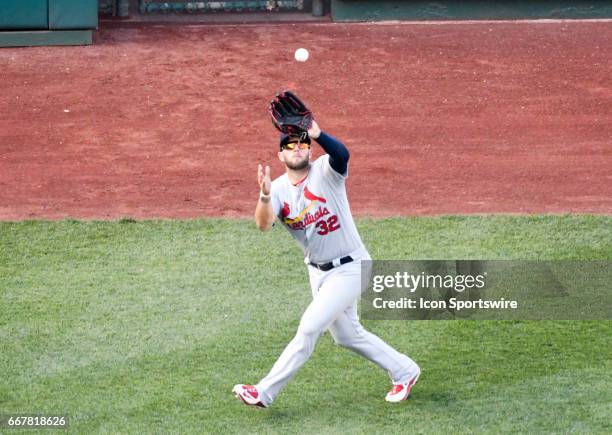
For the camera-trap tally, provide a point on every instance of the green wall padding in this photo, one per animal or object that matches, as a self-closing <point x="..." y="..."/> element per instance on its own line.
<point x="377" y="10"/>
<point x="73" y="14"/>
<point x="23" y="14"/>
<point x="33" y="38"/>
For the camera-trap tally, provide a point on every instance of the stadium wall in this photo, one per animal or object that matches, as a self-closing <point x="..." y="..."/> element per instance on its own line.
<point x="380" y="10"/>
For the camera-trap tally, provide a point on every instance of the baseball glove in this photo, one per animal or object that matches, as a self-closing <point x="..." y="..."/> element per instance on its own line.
<point x="289" y="114"/>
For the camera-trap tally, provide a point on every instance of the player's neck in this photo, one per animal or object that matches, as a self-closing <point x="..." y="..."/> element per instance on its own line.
<point x="297" y="176"/>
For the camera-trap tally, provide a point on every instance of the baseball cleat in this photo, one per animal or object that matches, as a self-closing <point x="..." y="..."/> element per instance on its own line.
<point x="401" y="391"/>
<point x="248" y="394"/>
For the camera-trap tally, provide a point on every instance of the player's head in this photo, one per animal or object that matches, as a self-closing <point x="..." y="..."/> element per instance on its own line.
<point x="295" y="151"/>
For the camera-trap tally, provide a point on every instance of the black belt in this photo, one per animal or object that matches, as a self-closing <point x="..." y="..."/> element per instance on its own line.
<point x="329" y="266"/>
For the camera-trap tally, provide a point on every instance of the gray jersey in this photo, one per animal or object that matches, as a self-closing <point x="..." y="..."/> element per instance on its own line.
<point x="316" y="212"/>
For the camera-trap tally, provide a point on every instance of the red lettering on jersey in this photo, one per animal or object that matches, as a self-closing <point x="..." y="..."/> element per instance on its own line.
<point x="327" y="226"/>
<point x="332" y="222"/>
<point x="310" y="219"/>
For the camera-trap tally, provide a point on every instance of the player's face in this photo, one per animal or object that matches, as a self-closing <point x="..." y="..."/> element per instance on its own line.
<point x="297" y="159"/>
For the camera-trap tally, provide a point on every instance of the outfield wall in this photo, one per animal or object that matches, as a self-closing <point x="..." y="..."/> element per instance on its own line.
<point x="379" y="10"/>
<point x="47" y="22"/>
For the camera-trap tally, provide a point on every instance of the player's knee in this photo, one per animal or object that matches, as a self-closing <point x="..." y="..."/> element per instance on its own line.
<point x="305" y="340"/>
<point x="347" y="337"/>
<point x="344" y="340"/>
<point x="341" y="342"/>
<point x="309" y="330"/>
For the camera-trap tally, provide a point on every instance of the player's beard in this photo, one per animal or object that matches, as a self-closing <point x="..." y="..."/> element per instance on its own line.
<point x="298" y="166"/>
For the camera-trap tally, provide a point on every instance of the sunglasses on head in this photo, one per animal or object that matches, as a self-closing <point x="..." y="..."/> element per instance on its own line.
<point x="293" y="145"/>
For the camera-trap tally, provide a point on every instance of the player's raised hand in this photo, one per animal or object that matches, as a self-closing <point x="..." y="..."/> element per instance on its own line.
<point x="263" y="178"/>
<point x="314" y="131"/>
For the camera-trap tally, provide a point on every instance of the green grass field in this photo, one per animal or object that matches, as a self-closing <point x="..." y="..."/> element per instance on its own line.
<point x="144" y="327"/>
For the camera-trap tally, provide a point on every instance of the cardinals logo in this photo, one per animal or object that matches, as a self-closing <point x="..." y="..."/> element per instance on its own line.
<point x="304" y="217"/>
<point x="286" y="210"/>
<point x="311" y="196"/>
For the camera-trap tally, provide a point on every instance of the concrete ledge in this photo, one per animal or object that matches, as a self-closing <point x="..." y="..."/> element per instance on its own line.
<point x="45" y="37"/>
<point x="380" y="10"/>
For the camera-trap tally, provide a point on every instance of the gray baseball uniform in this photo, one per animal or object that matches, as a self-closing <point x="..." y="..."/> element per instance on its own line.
<point x="316" y="213"/>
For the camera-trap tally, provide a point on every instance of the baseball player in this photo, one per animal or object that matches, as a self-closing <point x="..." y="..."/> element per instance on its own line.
<point x="310" y="201"/>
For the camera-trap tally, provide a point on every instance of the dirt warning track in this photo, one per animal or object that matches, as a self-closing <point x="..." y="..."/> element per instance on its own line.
<point x="170" y="121"/>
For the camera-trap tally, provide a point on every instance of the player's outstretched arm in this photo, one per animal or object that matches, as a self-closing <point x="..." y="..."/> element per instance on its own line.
<point x="338" y="153"/>
<point x="264" y="214"/>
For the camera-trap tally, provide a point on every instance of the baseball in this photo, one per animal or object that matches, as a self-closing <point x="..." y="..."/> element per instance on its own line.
<point x="301" y="55"/>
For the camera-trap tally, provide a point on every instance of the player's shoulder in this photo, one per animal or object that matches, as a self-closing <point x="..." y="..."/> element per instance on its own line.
<point x="281" y="179"/>
<point x="320" y="162"/>
<point x="322" y="167"/>
<point x="280" y="182"/>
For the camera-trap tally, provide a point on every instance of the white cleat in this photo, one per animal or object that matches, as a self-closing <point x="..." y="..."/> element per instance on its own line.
<point x="249" y="395"/>
<point x="401" y="391"/>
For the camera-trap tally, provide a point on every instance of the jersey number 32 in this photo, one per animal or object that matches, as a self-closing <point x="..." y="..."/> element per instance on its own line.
<point x="327" y="226"/>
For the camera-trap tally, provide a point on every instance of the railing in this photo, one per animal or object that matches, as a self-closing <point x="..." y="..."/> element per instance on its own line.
<point x="182" y="6"/>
